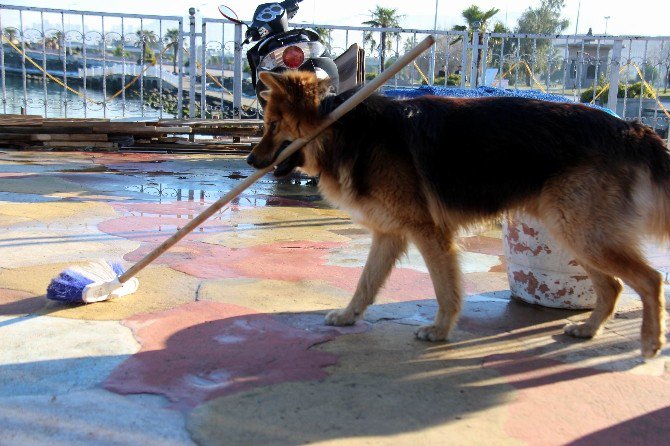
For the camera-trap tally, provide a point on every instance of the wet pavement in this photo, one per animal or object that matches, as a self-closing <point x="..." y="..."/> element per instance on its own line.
<point x="224" y="342"/>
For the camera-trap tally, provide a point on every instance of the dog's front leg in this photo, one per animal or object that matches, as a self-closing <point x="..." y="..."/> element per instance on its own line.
<point x="440" y="253"/>
<point x="384" y="252"/>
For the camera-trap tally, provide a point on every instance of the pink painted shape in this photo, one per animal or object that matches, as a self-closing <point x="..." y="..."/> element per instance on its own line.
<point x="561" y="404"/>
<point x="204" y="350"/>
<point x="152" y="223"/>
<point x="296" y="261"/>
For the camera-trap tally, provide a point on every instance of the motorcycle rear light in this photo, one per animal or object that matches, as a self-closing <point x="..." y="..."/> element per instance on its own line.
<point x="293" y="57"/>
<point x="275" y="58"/>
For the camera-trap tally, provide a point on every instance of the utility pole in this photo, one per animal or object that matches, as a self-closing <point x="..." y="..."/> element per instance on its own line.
<point x="606" y="20"/>
<point x="579" y="7"/>
<point x="431" y="70"/>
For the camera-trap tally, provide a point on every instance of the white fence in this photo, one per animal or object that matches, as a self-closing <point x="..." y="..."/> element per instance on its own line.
<point x="177" y="67"/>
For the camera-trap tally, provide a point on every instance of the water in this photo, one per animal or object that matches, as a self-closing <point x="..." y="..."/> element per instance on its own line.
<point x="59" y="102"/>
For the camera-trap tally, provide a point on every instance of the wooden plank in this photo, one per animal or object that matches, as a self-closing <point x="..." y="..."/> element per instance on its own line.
<point x="68" y="137"/>
<point x="209" y="122"/>
<point x="80" y="144"/>
<point x="171" y="139"/>
<point x="134" y="129"/>
<point x="228" y="132"/>
<point x="27" y="120"/>
<point x="69" y="124"/>
<point x="14" y="137"/>
<point x="75" y="120"/>
<point x="42" y="129"/>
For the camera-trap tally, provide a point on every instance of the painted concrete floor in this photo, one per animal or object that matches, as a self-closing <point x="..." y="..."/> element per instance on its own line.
<point x="224" y="342"/>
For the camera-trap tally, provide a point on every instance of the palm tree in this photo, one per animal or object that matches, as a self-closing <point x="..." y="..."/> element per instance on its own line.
<point x="145" y="39"/>
<point x="382" y="18"/>
<point x="476" y="19"/>
<point x="11" y="33"/>
<point x="171" y="39"/>
<point x="324" y="37"/>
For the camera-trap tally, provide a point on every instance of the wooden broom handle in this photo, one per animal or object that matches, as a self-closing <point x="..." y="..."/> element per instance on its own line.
<point x="296" y="145"/>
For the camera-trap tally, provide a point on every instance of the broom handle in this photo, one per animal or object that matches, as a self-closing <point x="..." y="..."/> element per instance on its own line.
<point x="296" y="145"/>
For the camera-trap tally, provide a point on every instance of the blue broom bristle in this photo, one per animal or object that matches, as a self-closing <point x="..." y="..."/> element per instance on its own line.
<point x="117" y="267"/>
<point x="69" y="285"/>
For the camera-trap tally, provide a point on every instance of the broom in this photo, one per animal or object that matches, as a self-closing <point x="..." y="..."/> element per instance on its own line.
<point x="103" y="280"/>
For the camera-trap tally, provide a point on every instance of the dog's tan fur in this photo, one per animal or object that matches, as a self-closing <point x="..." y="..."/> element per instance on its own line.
<point x="586" y="208"/>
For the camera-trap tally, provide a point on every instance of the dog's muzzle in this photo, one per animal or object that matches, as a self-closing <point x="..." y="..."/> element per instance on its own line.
<point x="285" y="167"/>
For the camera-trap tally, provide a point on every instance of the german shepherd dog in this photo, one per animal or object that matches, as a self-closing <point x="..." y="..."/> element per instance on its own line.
<point x="417" y="170"/>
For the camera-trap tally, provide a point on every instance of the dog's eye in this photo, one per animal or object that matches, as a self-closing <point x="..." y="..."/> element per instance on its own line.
<point x="272" y="126"/>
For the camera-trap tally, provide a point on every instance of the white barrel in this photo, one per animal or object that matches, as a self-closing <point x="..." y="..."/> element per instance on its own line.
<point x="539" y="270"/>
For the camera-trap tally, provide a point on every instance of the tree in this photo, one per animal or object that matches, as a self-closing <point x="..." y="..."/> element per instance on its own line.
<point x="145" y="39"/>
<point x="324" y="37"/>
<point x="475" y="18"/>
<point x="545" y="19"/>
<point x="650" y="72"/>
<point x="171" y="40"/>
<point x="382" y="18"/>
<point x="11" y="34"/>
<point x="496" y="46"/>
<point x="119" y="52"/>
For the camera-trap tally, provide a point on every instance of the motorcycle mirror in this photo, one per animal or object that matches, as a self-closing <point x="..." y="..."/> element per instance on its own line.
<point x="230" y="14"/>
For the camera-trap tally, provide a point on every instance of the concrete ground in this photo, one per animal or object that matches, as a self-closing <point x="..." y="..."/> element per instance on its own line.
<point x="224" y="342"/>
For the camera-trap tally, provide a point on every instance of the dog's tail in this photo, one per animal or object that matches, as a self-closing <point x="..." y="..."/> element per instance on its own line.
<point x="658" y="162"/>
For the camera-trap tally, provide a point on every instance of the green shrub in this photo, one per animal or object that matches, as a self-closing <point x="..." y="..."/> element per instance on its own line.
<point x="634" y="91"/>
<point x="452" y="80"/>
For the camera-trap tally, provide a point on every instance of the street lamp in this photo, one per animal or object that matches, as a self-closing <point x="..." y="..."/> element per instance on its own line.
<point x="606" y="20"/>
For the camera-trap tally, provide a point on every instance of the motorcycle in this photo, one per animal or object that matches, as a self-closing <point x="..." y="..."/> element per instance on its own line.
<point x="280" y="49"/>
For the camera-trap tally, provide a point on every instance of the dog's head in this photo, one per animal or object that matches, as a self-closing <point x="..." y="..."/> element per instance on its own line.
<point x="292" y="111"/>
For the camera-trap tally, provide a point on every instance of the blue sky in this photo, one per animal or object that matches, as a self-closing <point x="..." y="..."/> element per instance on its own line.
<point x="650" y="17"/>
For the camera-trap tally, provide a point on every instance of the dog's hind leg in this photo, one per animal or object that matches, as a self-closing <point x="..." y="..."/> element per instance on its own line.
<point x="607" y="250"/>
<point x="647" y="282"/>
<point x="440" y="253"/>
<point x="607" y="290"/>
<point x="384" y="252"/>
<point x="600" y="215"/>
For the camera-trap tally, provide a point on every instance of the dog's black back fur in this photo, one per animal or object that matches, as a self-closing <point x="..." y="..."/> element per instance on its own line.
<point x="484" y="155"/>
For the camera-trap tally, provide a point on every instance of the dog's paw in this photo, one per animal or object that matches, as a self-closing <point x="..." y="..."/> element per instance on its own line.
<point x="431" y="333"/>
<point x="584" y="330"/>
<point x="340" y="318"/>
<point x="651" y="346"/>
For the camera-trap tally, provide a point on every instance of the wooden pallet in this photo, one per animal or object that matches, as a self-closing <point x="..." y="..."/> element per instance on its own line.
<point x="32" y="132"/>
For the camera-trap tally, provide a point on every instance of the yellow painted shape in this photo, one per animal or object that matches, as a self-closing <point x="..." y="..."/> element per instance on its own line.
<point x="273" y="296"/>
<point x="260" y="226"/>
<point x="70" y="212"/>
<point x="367" y="400"/>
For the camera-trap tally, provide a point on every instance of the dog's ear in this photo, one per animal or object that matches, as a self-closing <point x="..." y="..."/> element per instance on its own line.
<point x="273" y="81"/>
<point x="265" y="95"/>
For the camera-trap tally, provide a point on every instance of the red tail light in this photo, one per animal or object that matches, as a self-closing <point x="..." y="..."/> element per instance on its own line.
<point x="293" y="57"/>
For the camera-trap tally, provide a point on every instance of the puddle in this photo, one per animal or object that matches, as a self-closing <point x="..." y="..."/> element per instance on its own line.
<point x="91" y="169"/>
<point x="262" y="194"/>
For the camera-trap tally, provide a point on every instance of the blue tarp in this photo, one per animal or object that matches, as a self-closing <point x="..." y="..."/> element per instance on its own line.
<point x="480" y="92"/>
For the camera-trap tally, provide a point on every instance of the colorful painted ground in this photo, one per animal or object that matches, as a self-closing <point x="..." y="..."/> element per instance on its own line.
<point x="224" y="342"/>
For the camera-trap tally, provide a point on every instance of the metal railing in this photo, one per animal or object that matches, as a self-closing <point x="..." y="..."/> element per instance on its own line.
<point x="81" y="63"/>
<point x="85" y="63"/>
